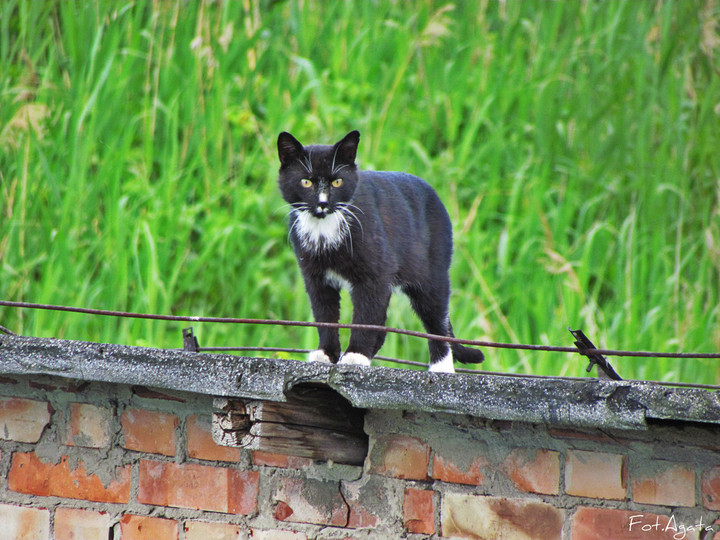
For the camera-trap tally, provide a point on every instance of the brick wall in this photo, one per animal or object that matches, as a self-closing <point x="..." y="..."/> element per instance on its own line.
<point x="89" y="461"/>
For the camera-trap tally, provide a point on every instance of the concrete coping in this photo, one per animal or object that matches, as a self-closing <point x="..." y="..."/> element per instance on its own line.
<point x="586" y="403"/>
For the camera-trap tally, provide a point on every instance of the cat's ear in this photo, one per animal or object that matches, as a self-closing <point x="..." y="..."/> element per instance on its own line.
<point x="346" y="149"/>
<point x="289" y="148"/>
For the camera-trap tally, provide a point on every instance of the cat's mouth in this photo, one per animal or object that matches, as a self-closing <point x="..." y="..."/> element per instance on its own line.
<point x="321" y="211"/>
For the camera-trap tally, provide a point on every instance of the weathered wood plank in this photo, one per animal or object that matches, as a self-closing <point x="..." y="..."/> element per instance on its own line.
<point x="314" y="422"/>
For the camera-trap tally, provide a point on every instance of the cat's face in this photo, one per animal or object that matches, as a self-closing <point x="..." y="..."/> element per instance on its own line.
<point x="318" y="181"/>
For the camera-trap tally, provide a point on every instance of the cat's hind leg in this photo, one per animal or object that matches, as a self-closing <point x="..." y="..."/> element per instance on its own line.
<point x="431" y="305"/>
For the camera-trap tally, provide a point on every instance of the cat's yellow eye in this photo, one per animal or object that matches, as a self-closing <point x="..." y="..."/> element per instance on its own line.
<point x="306" y="183"/>
<point x="337" y="182"/>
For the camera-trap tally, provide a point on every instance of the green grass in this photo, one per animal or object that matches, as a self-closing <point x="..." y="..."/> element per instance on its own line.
<point x="574" y="144"/>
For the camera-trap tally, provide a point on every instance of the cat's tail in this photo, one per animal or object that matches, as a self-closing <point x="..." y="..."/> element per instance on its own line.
<point x="466" y="355"/>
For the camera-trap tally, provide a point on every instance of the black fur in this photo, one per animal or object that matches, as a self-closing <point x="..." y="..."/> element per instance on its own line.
<point x="392" y="231"/>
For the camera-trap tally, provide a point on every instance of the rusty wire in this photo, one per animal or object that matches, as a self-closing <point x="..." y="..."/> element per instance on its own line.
<point x="435" y="337"/>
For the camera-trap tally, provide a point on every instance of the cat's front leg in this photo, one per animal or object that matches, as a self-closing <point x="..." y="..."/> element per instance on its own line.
<point x="370" y="303"/>
<point x="325" y="303"/>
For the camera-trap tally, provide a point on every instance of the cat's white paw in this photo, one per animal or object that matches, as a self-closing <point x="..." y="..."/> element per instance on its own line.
<point x="443" y="366"/>
<point x="354" y="359"/>
<point x="319" y="356"/>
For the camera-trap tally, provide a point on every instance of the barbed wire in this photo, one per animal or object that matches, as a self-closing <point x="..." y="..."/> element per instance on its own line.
<point x="401" y="331"/>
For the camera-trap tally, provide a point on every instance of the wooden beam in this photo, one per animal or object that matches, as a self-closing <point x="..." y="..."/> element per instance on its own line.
<point x="315" y="422"/>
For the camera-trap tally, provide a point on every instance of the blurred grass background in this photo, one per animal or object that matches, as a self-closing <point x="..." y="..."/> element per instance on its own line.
<point x="575" y="144"/>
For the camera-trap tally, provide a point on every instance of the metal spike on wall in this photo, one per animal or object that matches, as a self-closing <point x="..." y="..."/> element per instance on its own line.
<point x="586" y="347"/>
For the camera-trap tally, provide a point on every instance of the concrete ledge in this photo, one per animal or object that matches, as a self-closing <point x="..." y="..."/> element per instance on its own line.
<point x="586" y="403"/>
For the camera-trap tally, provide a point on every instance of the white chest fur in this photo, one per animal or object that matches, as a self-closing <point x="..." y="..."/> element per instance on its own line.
<point x="337" y="281"/>
<point x="318" y="233"/>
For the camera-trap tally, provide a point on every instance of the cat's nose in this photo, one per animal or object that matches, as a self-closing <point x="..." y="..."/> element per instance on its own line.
<point x="322" y="207"/>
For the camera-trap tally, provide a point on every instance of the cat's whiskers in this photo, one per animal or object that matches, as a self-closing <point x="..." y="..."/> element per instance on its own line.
<point x="346" y="227"/>
<point x="295" y="210"/>
<point x="345" y="209"/>
<point x="336" y="171"/>
<point x="306" y="164"/>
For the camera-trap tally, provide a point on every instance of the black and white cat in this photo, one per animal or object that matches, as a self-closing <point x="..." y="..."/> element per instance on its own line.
<point x="369" y="232"/>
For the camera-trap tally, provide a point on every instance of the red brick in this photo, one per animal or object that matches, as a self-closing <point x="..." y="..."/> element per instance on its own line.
<point x="149" y="431"/>
<point x="446" y="469"/>
<point x="473" y="516"/>
<point x="400" y="457"/>
<point x="200" y="487"/>
<point x="668" y="484"/>
<point x="605" y="523"/>
<point x="270" y="459"/>
<point x="367" y="500"/>
<point x="21" y="523"/>
<point x="303" y="500"/>
<point x="711" y="488"/>
<point x="76" y="524"/>
<point x="89" y="426"/>
<point x="148" y="528"/>
<point x="419" y="511"/>
<point x="203" y="530"/>
<point x="360" y="517"/>
<point x="596" y="475"/>
<point x="23" y="420"/>
<point x="534" y="471"/>
<point x="200" y="444"/>
<point x="31" y="475"/>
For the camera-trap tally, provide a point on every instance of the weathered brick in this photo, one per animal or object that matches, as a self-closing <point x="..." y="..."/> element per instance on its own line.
<point x="446" y="468"/>
<point x="148" y="528"/>
<point x="76" y="524"/>
<point x="200" y="444"/>
<point x="369" y="500"/>
<point x="400" y="456"/>
<point x="89" y="426"/>
<point x="304" y="500"/>
<point x="605" y="523"/>
<point x="23" y="420"/>
<point x="200" y="487"/>
<point x="29" y="474"/>
<point x="595" y="474"/>
<point x="271" y="459"/>
<point x="203" y="530"/>
<point x="21" y="523"/>
<point x="534" y="471"/>
<point x="711" y="488"/>
<point x="473" y="516"/>
<point x="419" y="511"/>
<point x="665" y="483"/>
<point x="149" y="431"/>
<point x="276" y="534"/>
